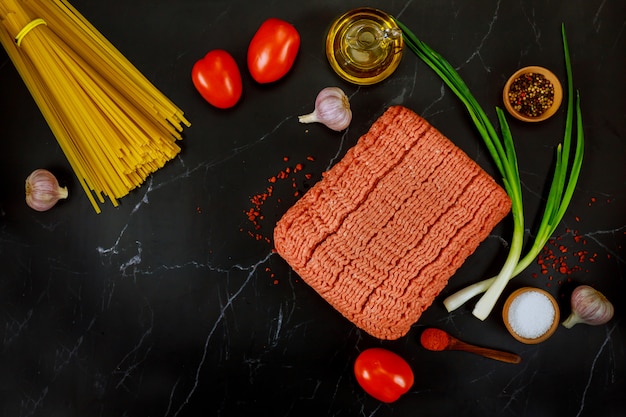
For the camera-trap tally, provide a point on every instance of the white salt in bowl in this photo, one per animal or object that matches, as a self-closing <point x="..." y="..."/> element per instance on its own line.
<point x="531" y="315"/>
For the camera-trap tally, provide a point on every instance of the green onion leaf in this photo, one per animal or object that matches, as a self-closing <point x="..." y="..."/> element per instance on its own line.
<point x="502" y="151"/>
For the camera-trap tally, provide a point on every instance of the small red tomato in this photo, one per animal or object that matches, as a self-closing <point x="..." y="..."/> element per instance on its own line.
<point x="383" y="374"/>
<point x="272" y="50"/>
<point x="217" y="78"/>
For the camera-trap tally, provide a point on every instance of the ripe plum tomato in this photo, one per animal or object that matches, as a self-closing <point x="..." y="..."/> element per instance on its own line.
<point x="217" y="78"/>
<point x="383" y="374"/>
<point x="272" y="50"/>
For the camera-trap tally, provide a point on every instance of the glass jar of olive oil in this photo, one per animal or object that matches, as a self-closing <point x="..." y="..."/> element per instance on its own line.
<point x="364" y="46"/>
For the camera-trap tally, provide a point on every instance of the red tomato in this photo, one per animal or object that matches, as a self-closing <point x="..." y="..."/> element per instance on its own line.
<point x="273" y="50"/>
<point x="383" y="374"/>
<point x="217" y="78"/>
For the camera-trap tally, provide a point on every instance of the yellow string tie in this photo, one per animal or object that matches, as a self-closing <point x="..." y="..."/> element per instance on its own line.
<point x="30" y="26"/>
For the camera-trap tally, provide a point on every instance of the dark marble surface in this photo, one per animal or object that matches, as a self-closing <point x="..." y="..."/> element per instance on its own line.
<point x="170" y="306"/>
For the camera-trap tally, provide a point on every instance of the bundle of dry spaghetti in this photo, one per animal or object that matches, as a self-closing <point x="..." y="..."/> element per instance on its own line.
<point x="113" y="125"/>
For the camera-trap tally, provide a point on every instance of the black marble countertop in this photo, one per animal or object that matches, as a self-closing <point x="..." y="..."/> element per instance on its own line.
<point x="174" y="303"/>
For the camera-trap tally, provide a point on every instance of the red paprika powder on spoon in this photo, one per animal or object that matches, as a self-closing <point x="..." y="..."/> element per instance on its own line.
<point x="435" y="339"/>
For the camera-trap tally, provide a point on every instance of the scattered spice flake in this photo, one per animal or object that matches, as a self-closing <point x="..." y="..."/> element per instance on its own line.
<point x="255" y="213"/>
<point x="556" y="258"/>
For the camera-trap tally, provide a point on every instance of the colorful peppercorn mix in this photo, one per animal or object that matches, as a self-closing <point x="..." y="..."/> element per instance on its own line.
<point x="531" y="94"/>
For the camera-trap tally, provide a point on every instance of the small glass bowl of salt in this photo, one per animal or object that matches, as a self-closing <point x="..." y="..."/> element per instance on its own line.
<point x="531" y="315"/>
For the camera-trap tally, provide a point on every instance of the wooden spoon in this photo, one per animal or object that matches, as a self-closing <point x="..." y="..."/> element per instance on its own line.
<point x="437" y="340"/>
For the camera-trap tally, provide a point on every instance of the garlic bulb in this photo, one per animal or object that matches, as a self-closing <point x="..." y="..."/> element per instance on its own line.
<point x="43" y="190"/>
<point x="589" y="306"/>
<point x="332" y="108"/>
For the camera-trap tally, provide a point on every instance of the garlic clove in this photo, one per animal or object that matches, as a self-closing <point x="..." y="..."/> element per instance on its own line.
<point x="332" y="109"/>
<point x="43" y="190"/>
<point x="589" y="306"/>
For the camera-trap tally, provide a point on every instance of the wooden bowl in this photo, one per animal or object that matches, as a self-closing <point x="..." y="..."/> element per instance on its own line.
<point x="556" y="103"/>
<point x="544" y="336"/>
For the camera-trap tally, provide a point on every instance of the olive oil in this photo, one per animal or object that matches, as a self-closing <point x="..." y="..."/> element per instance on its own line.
<point x="364" y="46"/>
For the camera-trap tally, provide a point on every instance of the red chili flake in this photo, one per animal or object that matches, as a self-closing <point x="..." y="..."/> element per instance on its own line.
<point x="555" y="258"/>
<point x="255" y="214"/>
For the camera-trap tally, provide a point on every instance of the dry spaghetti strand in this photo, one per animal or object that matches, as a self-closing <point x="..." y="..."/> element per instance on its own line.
<point x="113" y="125"/>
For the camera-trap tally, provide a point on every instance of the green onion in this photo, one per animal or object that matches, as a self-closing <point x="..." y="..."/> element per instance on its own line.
<point x="502" y="151"/>
<point x="559" y="195"/>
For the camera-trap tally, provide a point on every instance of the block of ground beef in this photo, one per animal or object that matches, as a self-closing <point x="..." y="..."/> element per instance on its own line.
<point x="387" y="226"/>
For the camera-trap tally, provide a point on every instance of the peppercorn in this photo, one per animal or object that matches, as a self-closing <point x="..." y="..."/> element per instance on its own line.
<point x="531" y="94"/>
